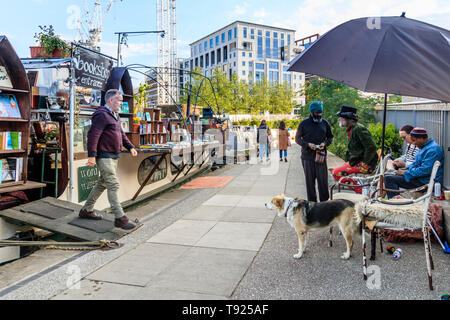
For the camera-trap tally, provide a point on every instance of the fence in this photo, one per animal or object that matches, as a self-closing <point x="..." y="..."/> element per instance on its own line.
<point x="431" y="115"/>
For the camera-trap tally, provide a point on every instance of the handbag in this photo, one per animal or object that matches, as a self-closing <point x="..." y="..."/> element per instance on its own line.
<point x="289" y="142"/>
<point x="321" y="157"/>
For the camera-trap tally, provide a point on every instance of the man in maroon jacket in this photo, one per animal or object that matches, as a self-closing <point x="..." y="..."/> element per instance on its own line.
<point x="105" y="141"/>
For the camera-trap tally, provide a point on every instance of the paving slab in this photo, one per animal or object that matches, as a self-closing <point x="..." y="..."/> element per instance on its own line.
<point x="236" y="235"/>
<point x="266" y="190"/>
<point x="160" y="293"/>
<point x="207" y="270"/>
<point x="97" y="290"/>
<point x="139" y="266"/>
<point x="239" y="214"/>
<point x="183" y="232"/>
<point x="250" y="201"/>
<point x="234" y="190"/>
<point x="210" y="213"/>
<point x="223" y="200"/>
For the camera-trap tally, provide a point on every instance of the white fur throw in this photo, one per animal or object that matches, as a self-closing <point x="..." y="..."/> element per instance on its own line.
<point x="404" y="216"/>
<point x="354" y="197"/>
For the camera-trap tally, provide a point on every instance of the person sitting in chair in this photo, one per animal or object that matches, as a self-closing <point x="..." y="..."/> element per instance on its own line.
<point x="411" y="149"/>
<point x="419" y="172"/>
<point x="362" y="154"/>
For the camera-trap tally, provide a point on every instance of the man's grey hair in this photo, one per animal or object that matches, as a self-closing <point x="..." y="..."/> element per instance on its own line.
<point x="111" y="94"/>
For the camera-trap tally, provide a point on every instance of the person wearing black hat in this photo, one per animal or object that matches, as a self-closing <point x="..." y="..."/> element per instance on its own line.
<point x="314" y="135"/>
<point x="362" y="154"/>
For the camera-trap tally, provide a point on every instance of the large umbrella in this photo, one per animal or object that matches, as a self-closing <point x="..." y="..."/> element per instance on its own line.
<point x="393" y="55"/>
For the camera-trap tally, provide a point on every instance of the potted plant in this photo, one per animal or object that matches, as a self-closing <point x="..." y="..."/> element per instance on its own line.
<point x="51" y="45"/>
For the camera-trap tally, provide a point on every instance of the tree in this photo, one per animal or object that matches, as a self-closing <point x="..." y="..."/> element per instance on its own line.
<point x="334" y="95"/>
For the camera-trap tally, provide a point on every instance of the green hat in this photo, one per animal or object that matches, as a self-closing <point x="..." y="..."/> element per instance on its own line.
<point x="316" y="106"/>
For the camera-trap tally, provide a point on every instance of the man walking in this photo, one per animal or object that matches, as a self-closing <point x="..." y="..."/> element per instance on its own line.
<point x="314" y="135"/>
<point x="105" y="141"/>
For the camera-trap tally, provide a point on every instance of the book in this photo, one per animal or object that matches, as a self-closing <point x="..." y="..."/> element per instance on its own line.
<point x="9" y="108"/>
<point x="9" y="170"/>
<point x="125" y="107"/>
<point x="5" y="81"/>
<point x="125" y="123"/>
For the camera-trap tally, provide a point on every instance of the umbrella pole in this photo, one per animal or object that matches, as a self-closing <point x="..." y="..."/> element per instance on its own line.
<point x="383" y="141"/>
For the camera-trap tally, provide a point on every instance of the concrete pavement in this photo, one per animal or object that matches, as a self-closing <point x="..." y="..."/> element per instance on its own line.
<point x="223" y="244"/>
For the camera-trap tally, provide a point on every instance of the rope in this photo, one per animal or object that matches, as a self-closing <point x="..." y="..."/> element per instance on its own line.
<point x="76" y="246"/>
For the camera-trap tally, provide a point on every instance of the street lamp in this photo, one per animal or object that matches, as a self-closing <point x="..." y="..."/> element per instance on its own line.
<point x="162" y="32"/>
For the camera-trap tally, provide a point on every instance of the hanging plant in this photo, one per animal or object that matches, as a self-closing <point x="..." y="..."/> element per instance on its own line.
<point x="52" y="42"/>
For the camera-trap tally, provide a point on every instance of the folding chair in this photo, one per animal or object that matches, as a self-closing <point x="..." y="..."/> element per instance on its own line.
<point x="401" y="215"/>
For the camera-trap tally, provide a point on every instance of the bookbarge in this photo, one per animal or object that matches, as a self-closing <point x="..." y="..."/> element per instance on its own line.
<point x="45" y="149"/>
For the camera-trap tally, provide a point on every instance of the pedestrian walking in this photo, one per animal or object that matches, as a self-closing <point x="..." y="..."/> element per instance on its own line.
<point x="105" y="140"/>
<point x="264" y="139"/>
<point x="283" y="141"/>
<point x="314" y="135"/>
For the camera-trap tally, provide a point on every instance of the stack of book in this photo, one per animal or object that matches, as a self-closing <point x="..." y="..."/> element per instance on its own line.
<point x="11" y="170"/>
<point x="10" y="140"/>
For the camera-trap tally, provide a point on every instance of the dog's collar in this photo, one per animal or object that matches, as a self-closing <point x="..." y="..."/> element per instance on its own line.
<point x="291" y="202"/>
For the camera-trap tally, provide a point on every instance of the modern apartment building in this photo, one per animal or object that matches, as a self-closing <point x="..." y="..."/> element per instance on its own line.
<point x="252" y="51"/>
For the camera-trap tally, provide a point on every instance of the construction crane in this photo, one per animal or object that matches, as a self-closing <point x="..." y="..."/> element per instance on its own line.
<point x="90" y="27"/>
<point x="166" y="20"/>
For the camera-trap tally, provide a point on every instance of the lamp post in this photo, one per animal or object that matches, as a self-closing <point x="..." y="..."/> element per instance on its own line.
<point x="162" y="32"/>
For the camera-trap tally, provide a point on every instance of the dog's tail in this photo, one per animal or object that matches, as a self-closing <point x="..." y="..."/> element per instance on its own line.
<point x="357" y="217"/>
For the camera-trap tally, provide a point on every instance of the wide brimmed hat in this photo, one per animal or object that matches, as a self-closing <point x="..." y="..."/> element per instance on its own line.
<point x="348" y="113"/>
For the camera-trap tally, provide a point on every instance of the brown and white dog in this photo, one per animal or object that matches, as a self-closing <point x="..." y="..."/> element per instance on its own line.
<point x="304" y="216"/>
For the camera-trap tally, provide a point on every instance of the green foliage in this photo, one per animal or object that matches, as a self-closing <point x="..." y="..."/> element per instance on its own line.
<point x="334" y="95"/>
<point x="392" y="138"/>
<point x="50" y="41"/>
<point x="290" y="124"/>
<point x="239" y="97"/>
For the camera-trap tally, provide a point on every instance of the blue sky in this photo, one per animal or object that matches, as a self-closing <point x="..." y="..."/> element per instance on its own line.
<point x="198" y="18"/>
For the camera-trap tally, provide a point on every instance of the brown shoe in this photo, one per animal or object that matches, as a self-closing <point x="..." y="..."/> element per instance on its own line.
<point x="89" y="215"/>
<point x="124" y="223"/>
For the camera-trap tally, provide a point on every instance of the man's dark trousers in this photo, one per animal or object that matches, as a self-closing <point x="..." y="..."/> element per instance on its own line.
<point x="397" y="182"/>
<point x="314" y="171"/>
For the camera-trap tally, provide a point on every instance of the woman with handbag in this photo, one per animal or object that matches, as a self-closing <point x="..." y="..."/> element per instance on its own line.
<point x="283" y="140"/>
<point x="314" y="136"/>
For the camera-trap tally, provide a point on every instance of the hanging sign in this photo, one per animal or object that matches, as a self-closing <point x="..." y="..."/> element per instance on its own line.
<point x="92" y="70"/>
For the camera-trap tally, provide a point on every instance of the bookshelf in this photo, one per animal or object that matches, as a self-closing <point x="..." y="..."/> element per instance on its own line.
<point x="16" y="148"/>
<point x="120" y="79"/>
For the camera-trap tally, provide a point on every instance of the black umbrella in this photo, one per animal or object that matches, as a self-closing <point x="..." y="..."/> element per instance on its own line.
<point x="393" y="55"/>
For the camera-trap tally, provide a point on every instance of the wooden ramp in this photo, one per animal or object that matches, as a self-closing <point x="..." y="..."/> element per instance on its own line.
<point x="61" y="217"/>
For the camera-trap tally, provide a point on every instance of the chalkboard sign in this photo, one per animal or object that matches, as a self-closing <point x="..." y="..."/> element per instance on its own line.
<point x="87" y="178"/>
<point x="92" y="70"/>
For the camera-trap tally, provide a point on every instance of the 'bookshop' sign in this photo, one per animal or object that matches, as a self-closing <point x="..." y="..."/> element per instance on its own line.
<point x="92" y="70"/>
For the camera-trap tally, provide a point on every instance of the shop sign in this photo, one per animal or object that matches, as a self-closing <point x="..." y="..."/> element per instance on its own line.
<point x="92" y="70"/>
<point x="87" y="178"/>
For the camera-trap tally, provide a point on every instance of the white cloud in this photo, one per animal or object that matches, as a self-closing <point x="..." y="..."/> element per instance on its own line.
<point x="130" y="51"/>
<point x="240" y="10"/>
<point x="319" y="16"/>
